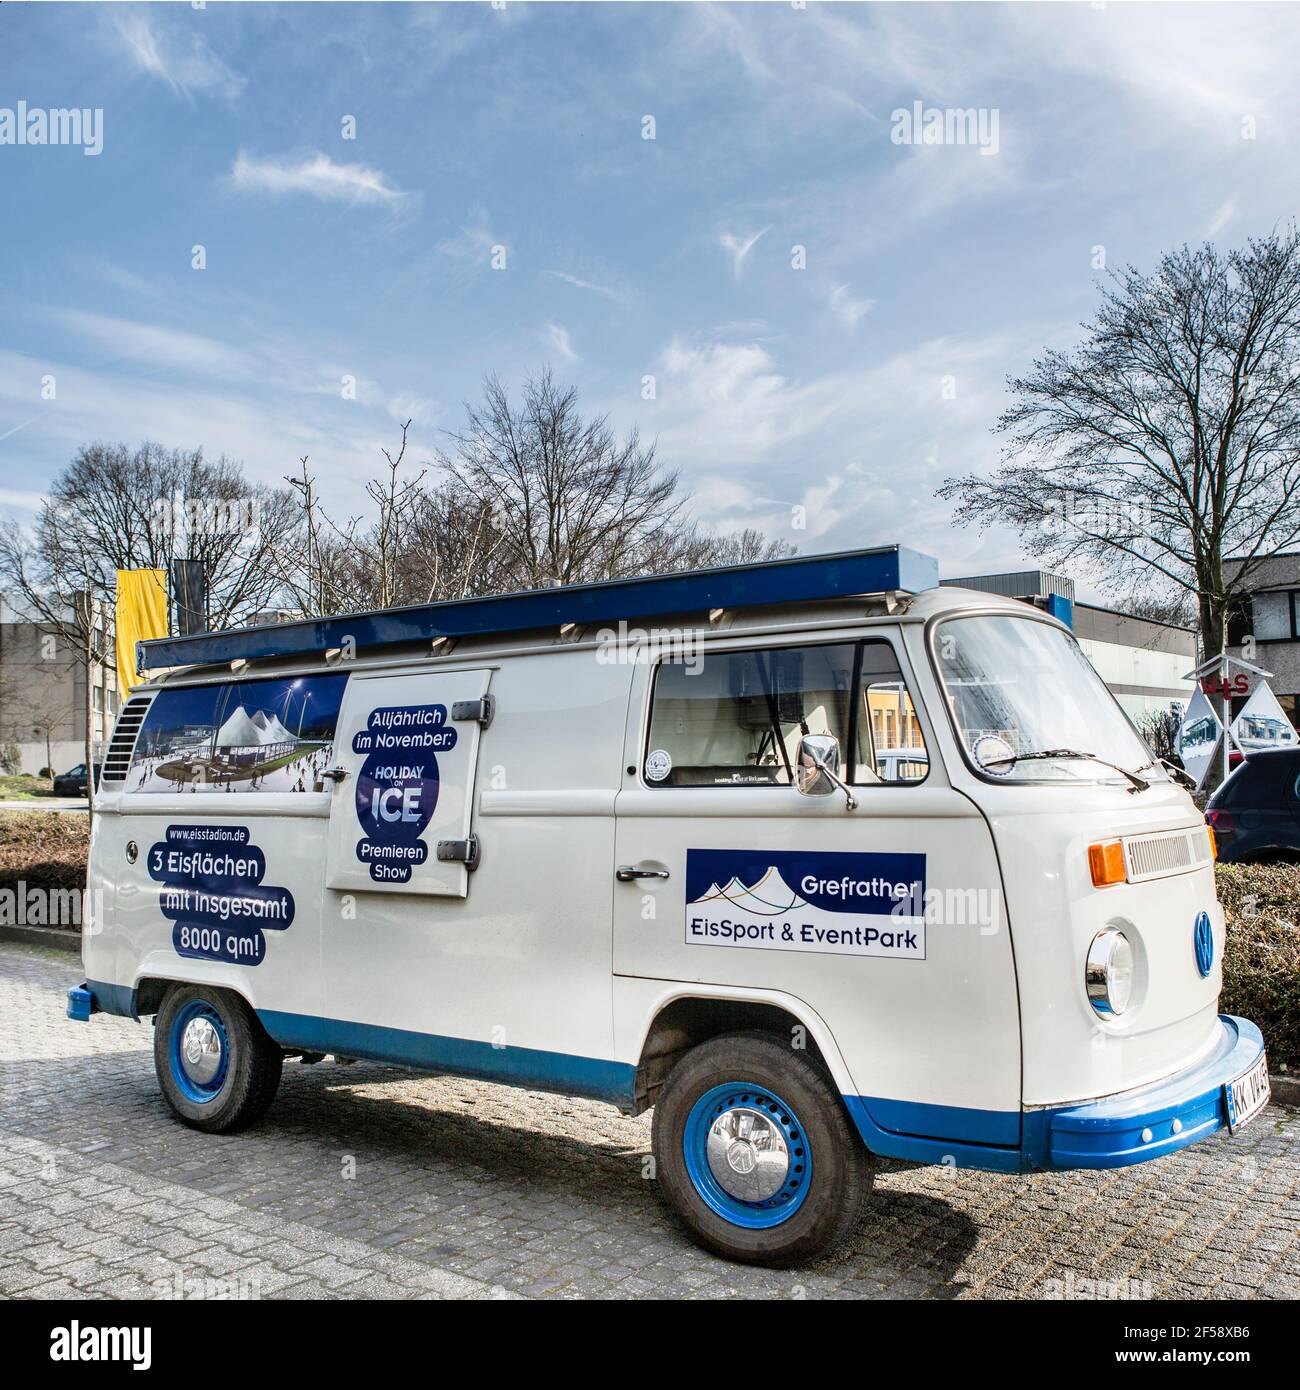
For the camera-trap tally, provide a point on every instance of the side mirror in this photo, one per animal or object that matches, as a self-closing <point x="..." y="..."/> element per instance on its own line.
<point x="817" y="768"/>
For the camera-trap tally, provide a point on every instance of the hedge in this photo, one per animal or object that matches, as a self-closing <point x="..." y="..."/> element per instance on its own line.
<point x="1261" y="966"/>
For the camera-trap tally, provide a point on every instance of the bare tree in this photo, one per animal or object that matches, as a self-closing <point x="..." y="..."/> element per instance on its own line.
<point x="571" y="500"/>
<point x="1176" y="609"/>
<point x="313" y="566"/>
<point x="118" y="508"/>
<point x="47" y="719"/>
<point x="423" y="544"/>
<point x="528" y="498"/>
<point x="1170" y="438"/>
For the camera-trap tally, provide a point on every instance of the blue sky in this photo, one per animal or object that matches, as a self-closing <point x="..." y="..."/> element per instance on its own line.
<point x="850" y="387"/>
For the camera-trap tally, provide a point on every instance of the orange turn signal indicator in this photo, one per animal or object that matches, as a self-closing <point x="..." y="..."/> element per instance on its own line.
<point x="1106" y="860"/>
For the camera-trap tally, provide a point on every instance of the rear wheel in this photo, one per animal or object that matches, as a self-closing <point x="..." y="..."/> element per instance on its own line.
<point x="753" y="1148"/>
<point x="218" y="1069"/>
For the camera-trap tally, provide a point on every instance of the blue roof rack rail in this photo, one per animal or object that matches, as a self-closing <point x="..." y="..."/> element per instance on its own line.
<point x="800" y="579"/>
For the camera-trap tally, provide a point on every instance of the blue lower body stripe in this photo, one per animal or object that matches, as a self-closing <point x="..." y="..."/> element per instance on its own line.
<point x="528" y="1067"/>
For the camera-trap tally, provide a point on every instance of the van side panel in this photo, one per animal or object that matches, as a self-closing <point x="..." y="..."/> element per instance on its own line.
<point x="513" y="980"/>
<point x="273" y="961"/>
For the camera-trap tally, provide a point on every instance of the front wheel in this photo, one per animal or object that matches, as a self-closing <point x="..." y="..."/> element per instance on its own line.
<point x="753" y="1148"/>
<point x="216" y="1065"/>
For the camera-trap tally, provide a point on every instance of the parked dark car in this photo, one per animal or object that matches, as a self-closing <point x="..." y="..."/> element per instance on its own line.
<point x="73" y="782"/>
<point x="1255" y="814"/>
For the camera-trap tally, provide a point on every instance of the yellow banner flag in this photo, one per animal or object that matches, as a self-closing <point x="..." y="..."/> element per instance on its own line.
<point x="141" y="613"/>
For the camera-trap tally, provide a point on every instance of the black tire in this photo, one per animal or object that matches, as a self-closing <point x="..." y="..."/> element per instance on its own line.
<point x="239" y="1094"/>
<point x="841" y="1169"/>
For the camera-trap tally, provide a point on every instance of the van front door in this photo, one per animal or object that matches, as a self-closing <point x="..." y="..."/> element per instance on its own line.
<point x="885" y="921"/>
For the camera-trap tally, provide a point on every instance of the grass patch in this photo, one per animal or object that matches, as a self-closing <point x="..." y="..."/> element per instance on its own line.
<point x="24" y="787"/>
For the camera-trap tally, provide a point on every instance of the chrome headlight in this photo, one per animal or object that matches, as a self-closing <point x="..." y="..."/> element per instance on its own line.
<point x="1108" y="974"/>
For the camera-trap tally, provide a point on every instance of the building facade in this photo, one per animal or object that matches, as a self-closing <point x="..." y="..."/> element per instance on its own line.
<point x="1265" y="630"/>
<point x="43" y="693"/>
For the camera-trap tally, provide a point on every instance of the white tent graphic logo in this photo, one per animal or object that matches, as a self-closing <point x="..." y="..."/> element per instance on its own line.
<point x="771" y="896"/>
<point x="239" y="731"/>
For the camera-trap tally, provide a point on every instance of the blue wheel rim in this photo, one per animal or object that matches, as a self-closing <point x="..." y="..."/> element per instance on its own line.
<point x="712" y="1106"/>
<point x="200" y="1092"/>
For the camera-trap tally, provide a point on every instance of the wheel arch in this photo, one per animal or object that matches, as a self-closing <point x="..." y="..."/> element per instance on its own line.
<point x="683" y="1018"/>
<point x="151" y="990"/>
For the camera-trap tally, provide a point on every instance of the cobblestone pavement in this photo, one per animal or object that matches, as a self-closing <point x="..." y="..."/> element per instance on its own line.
<point x="365" y="1181"/>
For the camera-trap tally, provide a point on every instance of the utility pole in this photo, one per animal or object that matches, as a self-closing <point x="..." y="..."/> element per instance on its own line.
<point x="1227" y="702"/>
<point x="86" y="617"/>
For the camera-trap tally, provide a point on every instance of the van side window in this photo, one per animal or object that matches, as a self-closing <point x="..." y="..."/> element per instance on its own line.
<point x="735" y="718"/>
<point x="273" y="735"/>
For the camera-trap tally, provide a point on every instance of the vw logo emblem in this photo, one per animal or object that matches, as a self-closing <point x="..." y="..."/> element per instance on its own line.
<point x="1203" y="943"/>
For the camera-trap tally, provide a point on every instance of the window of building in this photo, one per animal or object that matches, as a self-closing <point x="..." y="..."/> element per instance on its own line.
<point x="1273" y="612"/>
<point x="254" y="735"/>
<point x="735" y="718"/>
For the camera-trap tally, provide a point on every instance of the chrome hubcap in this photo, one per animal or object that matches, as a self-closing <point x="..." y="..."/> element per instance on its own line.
<point x="747" y="1155"/>
<point x="201" y="1051"/>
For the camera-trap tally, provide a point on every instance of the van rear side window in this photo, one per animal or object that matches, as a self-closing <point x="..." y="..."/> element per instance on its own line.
<point x="735" y="718"/>
<point x="272" y="735"/>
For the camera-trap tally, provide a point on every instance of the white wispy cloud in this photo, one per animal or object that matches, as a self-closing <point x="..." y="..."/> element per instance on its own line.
<point x="249" y="420"/>
<point x="316" y="175"/>
<point x="558" y="337"/>
<point x="738" y="248"/>
<point x="617" y="296"/>
<point x="420" y="410"/>
<point x="187" y="64"/>
<point x="730" y="401"/>
<point x="1224" y="214"/>
<point x="474" y="241"/>
<point x="848" y="309"/>
<point x="157" y="346"/>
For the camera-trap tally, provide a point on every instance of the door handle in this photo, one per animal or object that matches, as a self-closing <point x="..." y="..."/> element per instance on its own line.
<point x="625" y="873"/>
<point x="335" y="774"/>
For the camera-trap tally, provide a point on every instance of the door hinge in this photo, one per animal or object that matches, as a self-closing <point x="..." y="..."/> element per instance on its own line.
<point x="480" y="710"/>
<point x="460" y="852"/>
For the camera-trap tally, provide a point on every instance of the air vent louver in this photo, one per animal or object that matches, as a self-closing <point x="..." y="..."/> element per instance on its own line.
<point x="117" y="760"/>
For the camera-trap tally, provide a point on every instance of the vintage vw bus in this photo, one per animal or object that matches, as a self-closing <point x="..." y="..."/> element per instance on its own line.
<point x="818" y="859"/>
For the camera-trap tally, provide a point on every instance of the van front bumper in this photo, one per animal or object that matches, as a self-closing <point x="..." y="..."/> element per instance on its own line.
<point x="1118" y="1130"/>
<point x="1145" y="1123"/>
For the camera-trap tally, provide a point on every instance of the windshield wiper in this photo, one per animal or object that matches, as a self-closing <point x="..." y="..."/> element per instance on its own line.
<point x="1138" y="783"/>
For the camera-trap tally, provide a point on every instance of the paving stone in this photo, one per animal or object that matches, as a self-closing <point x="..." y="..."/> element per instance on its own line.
<point x="459" y="1189"/>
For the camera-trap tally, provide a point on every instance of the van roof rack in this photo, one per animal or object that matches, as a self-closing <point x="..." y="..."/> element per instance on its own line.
<point x="893" y="568"/>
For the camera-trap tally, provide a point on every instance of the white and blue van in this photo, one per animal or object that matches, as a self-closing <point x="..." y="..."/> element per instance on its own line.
<point x="822" y="861"/>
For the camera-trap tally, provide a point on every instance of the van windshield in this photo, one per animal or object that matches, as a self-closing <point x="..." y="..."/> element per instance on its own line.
<point x="1017" y="687"/>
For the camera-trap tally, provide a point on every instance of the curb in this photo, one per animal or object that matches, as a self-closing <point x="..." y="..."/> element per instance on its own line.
<point x="69" y="941"/>
<point x="1285" y="1087"/>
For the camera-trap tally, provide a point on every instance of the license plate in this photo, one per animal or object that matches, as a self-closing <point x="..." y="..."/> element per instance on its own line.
<point x="1247" y="1095"/>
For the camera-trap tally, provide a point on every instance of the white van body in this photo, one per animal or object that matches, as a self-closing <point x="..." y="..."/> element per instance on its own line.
<point x="603" y="923"/>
